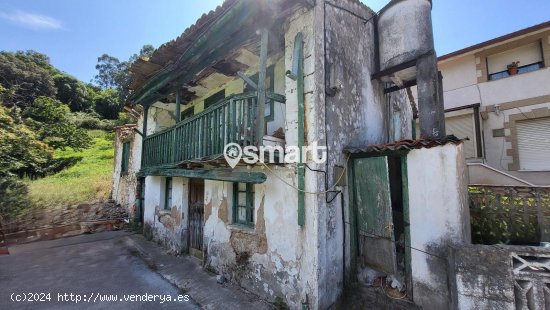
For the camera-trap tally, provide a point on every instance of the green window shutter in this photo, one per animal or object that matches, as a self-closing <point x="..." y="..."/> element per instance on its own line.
<point x="125" y="156"/>
<point x="187" y="113"/>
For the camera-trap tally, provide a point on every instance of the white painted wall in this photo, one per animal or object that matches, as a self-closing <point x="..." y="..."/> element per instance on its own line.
<point x="159" y="119"/>
<point x="287" y="266"/>
<point x="282" y="267"/>
<point x="167" y="227"/>
<point x="517" y="87"/>
<point x="439" y="217"/>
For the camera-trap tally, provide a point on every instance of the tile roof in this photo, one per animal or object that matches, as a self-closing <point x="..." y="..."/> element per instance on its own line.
<point x="402" y="145"/>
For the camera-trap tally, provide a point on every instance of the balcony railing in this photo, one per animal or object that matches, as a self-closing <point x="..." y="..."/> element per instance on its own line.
<point x="205" y="135"/>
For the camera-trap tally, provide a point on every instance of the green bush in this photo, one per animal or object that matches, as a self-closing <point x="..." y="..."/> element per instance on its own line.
<point x="13" y="197"/>
<point x="50" y="119"/>
<point x="92" y="121"/>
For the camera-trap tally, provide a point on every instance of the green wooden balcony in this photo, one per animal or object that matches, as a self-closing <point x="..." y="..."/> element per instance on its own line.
<point x="205" y="135"/>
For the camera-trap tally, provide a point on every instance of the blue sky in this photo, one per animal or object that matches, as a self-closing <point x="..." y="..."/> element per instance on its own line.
<point x="74" y="33"/>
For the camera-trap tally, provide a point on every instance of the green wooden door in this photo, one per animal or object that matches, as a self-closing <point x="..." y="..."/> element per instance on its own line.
<point x="374" y="213"/>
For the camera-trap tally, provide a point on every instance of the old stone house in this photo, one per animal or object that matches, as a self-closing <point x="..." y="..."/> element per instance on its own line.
<point x="331" y="73"/>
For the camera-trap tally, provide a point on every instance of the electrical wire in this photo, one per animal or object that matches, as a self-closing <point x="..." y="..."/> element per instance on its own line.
<point x="407" y="246"/>
<point x="524" y="115"/>
<point x="311" y="193"/>
<point x="365" y="20"/>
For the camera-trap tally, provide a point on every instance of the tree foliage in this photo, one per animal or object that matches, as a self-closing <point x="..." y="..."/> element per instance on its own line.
<point x="25" y="76"/>
<point x="21" y="154"/>
<point x="43" y="109"/>
<point x="108" y="103"/>
<point x="51" y="120"/>
<point x="73" y="93"/>
<point x="115" y="74"/>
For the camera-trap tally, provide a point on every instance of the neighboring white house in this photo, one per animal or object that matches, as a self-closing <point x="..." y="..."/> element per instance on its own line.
<point x="506" y="115"/>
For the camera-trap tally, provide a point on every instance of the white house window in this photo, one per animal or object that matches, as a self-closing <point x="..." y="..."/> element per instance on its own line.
<point x="534" y="144"/>
<point x="529" y="57"/>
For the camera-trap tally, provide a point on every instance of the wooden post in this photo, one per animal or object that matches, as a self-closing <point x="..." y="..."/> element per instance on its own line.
<point x="145" y="116"/>
<point x="260" y="122"/>
<point x="300" y="92"/>
<point x="175" y="141"/>
<point x="178" y="106"/>
<point x="430" y="99"/>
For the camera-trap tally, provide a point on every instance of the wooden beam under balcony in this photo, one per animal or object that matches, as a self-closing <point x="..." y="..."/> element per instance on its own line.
<point x="227" y="175"/>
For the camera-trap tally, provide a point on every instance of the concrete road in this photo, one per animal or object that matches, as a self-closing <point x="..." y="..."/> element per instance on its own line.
<point x="92" y="268"/>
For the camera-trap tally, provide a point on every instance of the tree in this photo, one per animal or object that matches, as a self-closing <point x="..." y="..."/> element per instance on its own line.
<point x="22" y="154"/>
<point x="73" y="93"/>
<point x="50" y="119"/>
<point x="115" y="74"/>
<point x="110" y="72"/>
<point x="108" y="103"/>
<point x="41" y="60"/>
<point x="25" y="76"/>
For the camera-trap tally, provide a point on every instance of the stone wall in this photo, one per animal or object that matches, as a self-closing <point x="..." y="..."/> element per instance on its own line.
<point x="125" y="183"/>
<point x="500" y="277"/>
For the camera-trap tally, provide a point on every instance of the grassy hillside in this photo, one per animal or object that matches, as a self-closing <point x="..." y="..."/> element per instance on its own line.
<point x="87" y="181"/>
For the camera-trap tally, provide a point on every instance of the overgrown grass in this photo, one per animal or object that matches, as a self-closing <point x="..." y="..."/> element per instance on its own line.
<point x="87" y="181"/>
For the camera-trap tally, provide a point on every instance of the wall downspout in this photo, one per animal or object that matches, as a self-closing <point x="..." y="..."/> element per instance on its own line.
<point x="297" y="74"/>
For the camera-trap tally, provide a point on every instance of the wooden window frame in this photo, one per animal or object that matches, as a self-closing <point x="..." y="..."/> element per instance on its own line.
<point x="187" y="113"/>
<point x="214" y="98"/>
<point x="125" y="160"/>
<point x="168" y="190"/>
<point x="270" y="74"/>
<point x="249" y="192"/>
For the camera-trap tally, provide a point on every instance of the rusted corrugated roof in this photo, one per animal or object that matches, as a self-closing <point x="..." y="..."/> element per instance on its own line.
<point x="402" y="145"/>
<point x="142" y="69"/>
<point x="164" y="57"/>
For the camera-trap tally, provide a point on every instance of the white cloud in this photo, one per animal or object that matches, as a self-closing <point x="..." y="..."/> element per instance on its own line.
<point x="31" y="20"/>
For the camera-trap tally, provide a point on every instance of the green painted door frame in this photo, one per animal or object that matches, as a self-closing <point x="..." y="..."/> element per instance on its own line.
<point x="355" y="181"/>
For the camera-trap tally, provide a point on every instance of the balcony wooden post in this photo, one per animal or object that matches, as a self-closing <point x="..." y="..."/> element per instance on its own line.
<point x="178" y="106"/>
<point x="260" y="121"/>
<point x="144" y="135"/>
